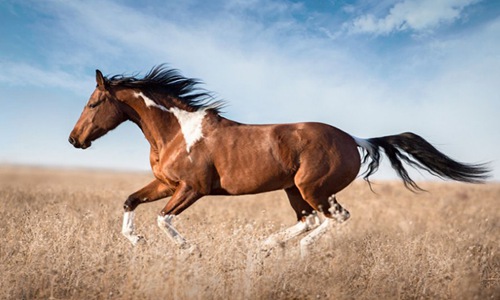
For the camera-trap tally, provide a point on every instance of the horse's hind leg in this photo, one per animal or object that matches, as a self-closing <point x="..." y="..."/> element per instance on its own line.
<point x="313" y="237"/>
<point x="152" y="192"/>
<point x="306" y="220"/>
<point x="300" y="206"/>
<point x="333" y="210"/>
<point x="336" y="211"/>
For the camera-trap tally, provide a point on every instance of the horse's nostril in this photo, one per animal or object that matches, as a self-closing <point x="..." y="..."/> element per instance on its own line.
<point x="71" y="140"/>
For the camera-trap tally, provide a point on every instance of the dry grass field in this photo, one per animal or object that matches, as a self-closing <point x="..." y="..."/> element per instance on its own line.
<point x="60" y="239"/>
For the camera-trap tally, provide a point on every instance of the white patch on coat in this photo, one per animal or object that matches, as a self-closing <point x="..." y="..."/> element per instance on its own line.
<point x="191" y="122"/>
<point x="150" y="103"/>
<point x="191" y="125"/>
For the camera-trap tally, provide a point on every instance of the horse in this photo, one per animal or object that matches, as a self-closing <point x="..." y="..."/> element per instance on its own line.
<point x="195" y="152"/>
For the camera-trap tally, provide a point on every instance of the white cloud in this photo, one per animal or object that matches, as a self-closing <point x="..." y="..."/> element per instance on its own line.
<point x="24" y="74"/>
<point x="410" y="15"/>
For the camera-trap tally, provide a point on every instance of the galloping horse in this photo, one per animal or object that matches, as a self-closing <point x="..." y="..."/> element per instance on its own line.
<point x="197" y="152"/>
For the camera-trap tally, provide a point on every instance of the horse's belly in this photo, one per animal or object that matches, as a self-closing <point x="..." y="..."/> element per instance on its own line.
<point x="254" y="180"/>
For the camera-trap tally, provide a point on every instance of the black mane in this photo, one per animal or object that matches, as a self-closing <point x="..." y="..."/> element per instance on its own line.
<point x="171" y="82"/>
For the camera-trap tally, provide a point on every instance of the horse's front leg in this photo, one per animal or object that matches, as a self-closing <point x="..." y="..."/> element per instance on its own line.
<point x="183" y="197"/>
<point x="151" y="192"/>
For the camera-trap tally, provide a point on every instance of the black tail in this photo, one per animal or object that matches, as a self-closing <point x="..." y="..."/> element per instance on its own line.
<point x="421" y="155"/>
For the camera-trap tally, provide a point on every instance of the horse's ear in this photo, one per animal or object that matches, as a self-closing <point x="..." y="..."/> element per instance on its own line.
<point x="101" y="81"/>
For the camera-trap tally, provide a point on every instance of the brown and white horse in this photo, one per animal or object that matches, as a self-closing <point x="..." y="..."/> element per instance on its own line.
<point x="197" y="152"/>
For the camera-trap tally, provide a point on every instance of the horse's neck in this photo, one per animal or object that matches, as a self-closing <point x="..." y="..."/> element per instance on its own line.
<point x="161" y="124"/>
<point x="191" y="125"/>
<point x="155" y="121"/>
<point x="158" y="131"/>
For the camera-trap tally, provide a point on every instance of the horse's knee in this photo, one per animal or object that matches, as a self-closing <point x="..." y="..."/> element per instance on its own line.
<point x="131" y="203"/>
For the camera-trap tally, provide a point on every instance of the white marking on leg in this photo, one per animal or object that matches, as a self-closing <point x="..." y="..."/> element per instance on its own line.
<point x="128" y="227"/>
<point x="337" y="211"/>
<point x="300" y="227"/>
<point x="313" y="237"/>
<point x="165" y="223"/>
<point x="313" y="221"/>
<point x="282" y="236"/>
<point x="128" y="222"/>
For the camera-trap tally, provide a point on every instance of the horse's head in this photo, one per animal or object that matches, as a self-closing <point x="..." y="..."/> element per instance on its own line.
<point x="102" y="113"/>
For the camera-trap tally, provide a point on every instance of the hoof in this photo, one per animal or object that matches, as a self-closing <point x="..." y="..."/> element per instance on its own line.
<point x="190" y="250"/>
<point x="269" y="244"/>
<point x="135" y="239"/>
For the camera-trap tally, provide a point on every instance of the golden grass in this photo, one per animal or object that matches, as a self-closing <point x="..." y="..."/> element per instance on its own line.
<point x="60" y="239"/>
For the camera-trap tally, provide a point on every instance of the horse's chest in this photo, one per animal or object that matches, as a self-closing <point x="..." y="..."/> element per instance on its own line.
<point x="180" y="166"/>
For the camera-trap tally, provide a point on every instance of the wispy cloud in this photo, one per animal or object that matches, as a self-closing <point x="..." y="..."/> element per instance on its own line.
<point x="24" y="74"/>
<point x="417" y="16"/>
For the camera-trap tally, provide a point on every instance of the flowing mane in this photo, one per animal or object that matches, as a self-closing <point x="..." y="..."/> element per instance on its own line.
<point x="172" y="83"/>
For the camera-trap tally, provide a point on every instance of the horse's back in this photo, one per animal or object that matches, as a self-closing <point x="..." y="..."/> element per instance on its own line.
<point x="258" y="158"/>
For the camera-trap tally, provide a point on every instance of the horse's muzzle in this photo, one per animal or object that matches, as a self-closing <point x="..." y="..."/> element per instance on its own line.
<point x="77" y="144"/>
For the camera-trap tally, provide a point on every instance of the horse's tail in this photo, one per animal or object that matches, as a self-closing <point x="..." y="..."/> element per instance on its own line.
<point x="421" y="154"/>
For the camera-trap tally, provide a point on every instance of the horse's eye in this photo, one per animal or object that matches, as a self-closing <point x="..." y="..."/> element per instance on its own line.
<point x="95" y="104"/>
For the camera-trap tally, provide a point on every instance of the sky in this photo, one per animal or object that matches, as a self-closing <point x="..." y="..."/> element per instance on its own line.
<point x="370" y="68"/>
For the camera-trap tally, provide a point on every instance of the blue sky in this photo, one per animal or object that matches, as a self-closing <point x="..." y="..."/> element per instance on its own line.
<point x="371" y="68"/>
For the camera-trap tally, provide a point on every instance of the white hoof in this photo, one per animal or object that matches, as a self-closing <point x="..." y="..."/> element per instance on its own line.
<point x="133" y="238"/>
<point x="270" y="243"/>
<point x="190" y="249"/>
